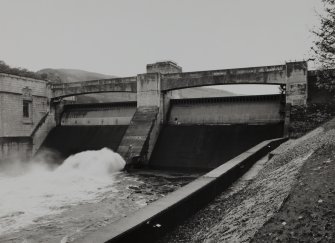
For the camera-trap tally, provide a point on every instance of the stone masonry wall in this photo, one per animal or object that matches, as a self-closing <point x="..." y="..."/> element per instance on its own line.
<point x="23" y="104"/>
<point x="14" y="90"/>
<point x="12" y="122"/>
<point x="15" y="84"/>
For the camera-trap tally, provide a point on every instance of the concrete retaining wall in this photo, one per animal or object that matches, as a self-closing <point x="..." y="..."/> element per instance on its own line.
<point x="142" y="225"/>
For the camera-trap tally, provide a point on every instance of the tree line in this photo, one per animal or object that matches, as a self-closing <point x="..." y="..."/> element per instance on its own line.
<point x="23" y="72"/>
<point x="324" y="46"/>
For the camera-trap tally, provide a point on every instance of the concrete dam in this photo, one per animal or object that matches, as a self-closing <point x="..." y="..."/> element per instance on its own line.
<point x="178" y="153"/>
<point x="88" y="127"/>
<point x="200" y="133"/>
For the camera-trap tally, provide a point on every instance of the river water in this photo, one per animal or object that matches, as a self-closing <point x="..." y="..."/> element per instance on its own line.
<point x="48" y="203"/>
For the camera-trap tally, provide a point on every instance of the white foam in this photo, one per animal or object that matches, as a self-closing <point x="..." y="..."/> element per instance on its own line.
<point x="41" y="190"/>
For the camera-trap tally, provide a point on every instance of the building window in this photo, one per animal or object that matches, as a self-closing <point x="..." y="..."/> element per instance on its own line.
<point x="26" y="109"/>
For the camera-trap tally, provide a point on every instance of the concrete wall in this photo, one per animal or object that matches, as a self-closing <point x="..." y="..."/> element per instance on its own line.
<point x="41" y="132"/>
<point x="232" y="110"/>
<point x="15" y="148"/>
<point x="98" y="114"/>
<point x="14" y="91"/>
<point x="164" y="67"/>
<point x="201" y="147"/>
<point x="149" y="90"/>
<point x="296" y="85"/>
<point x="20" y="136"/>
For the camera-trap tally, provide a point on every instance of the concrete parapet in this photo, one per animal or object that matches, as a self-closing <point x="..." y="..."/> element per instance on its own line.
<point x="127" y="84"/>
<point x="254" y="75"/>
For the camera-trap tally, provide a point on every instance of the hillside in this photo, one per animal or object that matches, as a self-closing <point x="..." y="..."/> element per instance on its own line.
<point x="71" y="75"/>
<point x="200" y="92"/>
<point x="64" y="75"/>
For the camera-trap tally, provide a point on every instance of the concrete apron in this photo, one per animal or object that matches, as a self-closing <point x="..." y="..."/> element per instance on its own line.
<point x="152" y="221"/>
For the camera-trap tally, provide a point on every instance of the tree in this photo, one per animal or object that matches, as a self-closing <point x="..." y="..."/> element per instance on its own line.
<point x="324" y="47"/>
<point x="5" y="68"/>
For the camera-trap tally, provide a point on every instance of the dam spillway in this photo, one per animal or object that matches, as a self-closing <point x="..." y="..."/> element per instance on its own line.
<point x="69" y="140"/>
<point x="205" y="147"/>
<point x="199" y="133"/>
<point x="203" y="133"/>
<point x="88" y="127"/>
<point x="186" y="144"/>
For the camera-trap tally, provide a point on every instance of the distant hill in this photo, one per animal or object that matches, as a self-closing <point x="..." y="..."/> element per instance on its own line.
<point x="201" y="92"/>
<point x="75" y="75"/>
<point x="64" y="75"/>
<point x="72" y="75"/>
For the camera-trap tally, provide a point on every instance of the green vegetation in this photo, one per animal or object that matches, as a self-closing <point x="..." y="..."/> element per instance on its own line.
<point x="5" y="68"/>
<point x="306" y="118"/>
<point x="324" y="46"/>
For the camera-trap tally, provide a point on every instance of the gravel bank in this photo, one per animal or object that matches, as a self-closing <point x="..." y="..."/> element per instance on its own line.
<point x="237" y="214"/>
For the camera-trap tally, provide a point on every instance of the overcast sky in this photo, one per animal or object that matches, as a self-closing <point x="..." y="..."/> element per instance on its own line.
<point x="121" y="37"/>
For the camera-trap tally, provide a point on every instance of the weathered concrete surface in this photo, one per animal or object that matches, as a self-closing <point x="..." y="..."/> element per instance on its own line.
<point x="148" y="223"/>
<point x="41" y="131"/>
<point x="164" y="67"/>
<point x="166" y="76"/>
<point x="149" y="90"/>
<point x="253" y="75"/>
<point x="205" y="147"/>
<point x="296" y="84"/>
<point x="135" y="142"/>
<point x="95" y="86"/>
<point x="293" y="74"/>
<point x="103" y="114"/>
<point x="262" y="109"/>
<point x="15" y="148"/>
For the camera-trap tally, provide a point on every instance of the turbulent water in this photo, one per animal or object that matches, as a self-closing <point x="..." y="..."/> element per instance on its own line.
<point x="34" y="189"/>
<point x="43" y="203"/>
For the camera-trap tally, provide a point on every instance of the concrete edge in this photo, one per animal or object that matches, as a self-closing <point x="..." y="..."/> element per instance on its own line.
<point x="152" y="221"/>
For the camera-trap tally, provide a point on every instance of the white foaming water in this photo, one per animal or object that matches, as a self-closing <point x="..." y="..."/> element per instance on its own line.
<point x="41" y="190"/>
